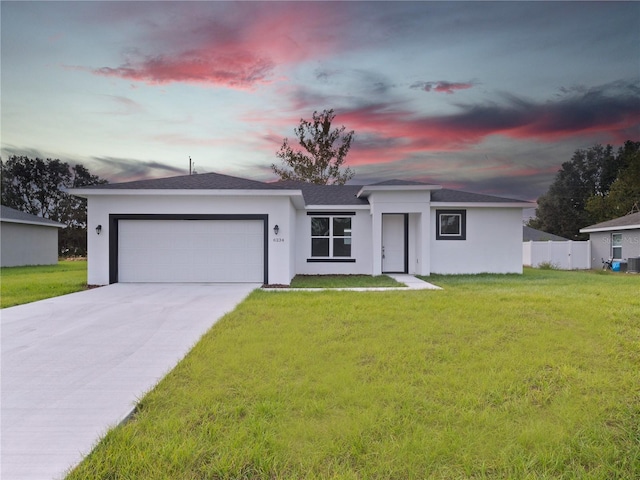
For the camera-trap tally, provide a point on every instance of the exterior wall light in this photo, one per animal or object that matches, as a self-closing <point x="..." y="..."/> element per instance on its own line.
<point x="276" y="229"/>
<point x="99" y="229"/>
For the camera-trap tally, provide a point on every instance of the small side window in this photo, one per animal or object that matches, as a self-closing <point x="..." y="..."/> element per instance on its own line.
<point x="616" y="246"/>
<point x="451" y="224"/>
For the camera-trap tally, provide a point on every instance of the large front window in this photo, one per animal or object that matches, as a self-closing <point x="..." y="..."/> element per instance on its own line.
<point x="330" y="237"/>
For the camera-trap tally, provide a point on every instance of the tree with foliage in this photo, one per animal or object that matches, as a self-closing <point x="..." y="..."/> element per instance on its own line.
<point x="317" y="160"/>
<point x="624" y="193"/>
<point x="590" y="173"/>
<point x="37" y="186"/>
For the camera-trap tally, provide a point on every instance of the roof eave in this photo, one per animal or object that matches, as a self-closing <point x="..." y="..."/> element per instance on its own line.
<point x="609" y="229"/>
<point x="87" y="192"/>
<point x="39" y="224"/>
<point x="337" y="207"/>
<point x="369" y="189"/>
<point x="483" y="204"/>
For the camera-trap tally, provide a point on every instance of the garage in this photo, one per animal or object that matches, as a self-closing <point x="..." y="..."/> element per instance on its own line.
<point x="190" y="249"/>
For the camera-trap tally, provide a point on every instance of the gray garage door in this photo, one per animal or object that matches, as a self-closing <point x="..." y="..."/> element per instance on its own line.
<point x="190" y="251"/>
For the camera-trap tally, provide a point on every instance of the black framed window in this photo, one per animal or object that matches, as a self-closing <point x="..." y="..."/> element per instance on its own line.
<point x="451" y="224"/>
<point x="330" y="237"/>
<point x="320" y="240"/>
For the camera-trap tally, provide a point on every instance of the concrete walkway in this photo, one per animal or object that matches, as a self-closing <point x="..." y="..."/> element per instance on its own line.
<point x="76" y="365"/>
<point x="411" y="282"/>
<point x="414" y="283"/>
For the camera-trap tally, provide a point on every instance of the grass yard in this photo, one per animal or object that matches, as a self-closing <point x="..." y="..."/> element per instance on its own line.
<point x="20" y="285"/>
<point x="343" y="281"/>
<point x="525" y="377"/>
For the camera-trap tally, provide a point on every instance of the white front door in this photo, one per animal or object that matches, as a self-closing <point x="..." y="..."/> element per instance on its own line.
<point x="393" y="243"/>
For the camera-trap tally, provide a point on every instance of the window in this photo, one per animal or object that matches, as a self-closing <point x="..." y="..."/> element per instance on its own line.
<point x="331" y="237"/>
<point x="616" y="246"/>
<point x="451" y="224"/>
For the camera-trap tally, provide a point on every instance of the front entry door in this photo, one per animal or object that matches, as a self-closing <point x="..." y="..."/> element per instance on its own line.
<point x="394" y="239"/>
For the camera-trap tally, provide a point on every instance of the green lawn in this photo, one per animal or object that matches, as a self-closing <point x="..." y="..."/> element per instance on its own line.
<point x="20" y="285"/>
<point x="525" y="377"/>
<point x="343" y="281"/>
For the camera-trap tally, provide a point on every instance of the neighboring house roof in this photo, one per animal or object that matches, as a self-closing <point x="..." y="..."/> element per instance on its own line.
<point x="531" y="234"/>
<point x="313" y="194"/>
<point x="11" y="215"/>
<point x="628" y="222"/>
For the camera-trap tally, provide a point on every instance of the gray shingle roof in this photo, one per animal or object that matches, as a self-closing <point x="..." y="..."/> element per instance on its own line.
<point x="631" y="220"/>
<point x="325" y="194"/>
<point x="529" y="234"/>
<point x="200" y="181"/>
<point x="16" y="216"/>
<point x="313" y="194"/>
<point x="457" y="196"/>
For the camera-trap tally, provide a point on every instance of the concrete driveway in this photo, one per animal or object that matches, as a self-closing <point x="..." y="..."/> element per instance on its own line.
<point x="74" y="366"/>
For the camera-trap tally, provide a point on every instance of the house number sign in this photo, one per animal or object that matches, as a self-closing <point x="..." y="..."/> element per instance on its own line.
<point x="278" y="239"/>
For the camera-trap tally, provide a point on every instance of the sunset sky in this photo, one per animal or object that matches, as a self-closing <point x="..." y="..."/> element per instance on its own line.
<point x="488" y="97"/>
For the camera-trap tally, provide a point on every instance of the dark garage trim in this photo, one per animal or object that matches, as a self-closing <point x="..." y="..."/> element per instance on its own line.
<point x="331" y="214"/>
<point x="114" y="218"/>
<point x="331" y="260"/>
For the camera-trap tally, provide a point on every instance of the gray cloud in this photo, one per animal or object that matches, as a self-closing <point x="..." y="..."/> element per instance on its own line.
<point x="124" y="170"/>
<point x="442" y="86"/>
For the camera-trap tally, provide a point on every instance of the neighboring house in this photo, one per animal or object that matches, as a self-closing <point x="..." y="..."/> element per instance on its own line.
<point x="532" y="235"/>
<point x="218" y="228"/>
<point x="27" y="239"/>
<point x="618" y="239"/>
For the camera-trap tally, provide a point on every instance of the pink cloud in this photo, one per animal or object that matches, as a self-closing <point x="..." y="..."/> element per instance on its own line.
<point x="236" y="70"/>
<point x="442" y="86"/>
<point x="232" y="44"/>
<point x="610" y="111"/>
<point x="407" y="133"/>
<point x="390" y="132"/>
<point x="506" y="168"/>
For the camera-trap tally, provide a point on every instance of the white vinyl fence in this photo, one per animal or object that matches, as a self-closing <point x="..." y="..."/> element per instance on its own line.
<point x="568" y="255"/>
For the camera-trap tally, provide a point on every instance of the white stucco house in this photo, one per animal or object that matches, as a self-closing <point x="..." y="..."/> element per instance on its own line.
<point x="218" y="228"/>
<point x="26" y="239"/>
<point x="618" y="239"/>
